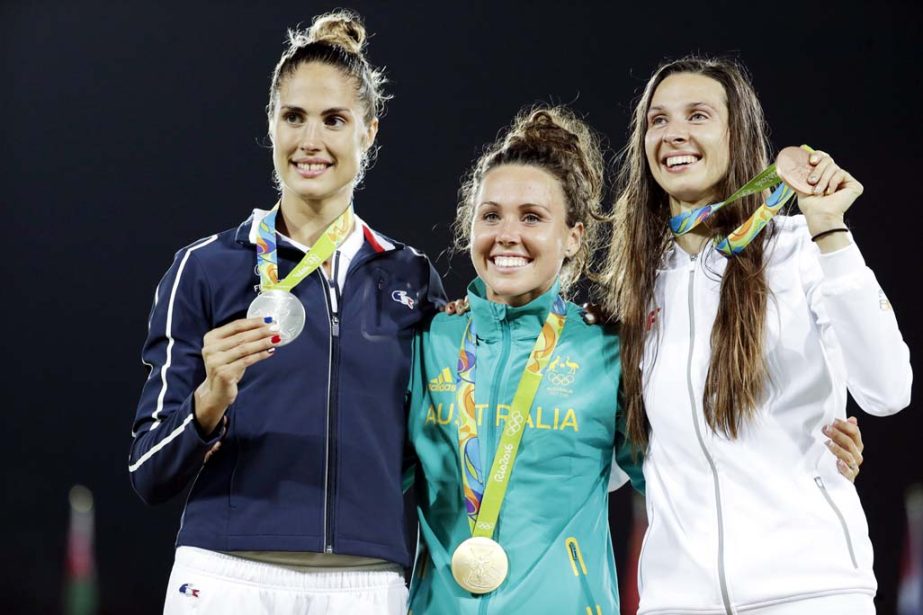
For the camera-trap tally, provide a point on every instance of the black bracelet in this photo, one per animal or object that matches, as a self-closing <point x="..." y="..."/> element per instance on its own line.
<point x="825" y="233"/>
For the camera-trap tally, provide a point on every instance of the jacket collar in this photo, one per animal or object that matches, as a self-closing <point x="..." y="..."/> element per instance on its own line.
<point x="674" y="257"/>
<point x="525" y="322"/>
<point x="247" y="233"/>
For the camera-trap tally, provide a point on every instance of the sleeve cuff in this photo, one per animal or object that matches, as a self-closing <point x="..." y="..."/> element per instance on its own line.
<point x="204" y="438"/>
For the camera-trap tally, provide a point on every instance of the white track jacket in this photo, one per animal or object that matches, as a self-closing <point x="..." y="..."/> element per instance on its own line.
<point x="764" y="519"/>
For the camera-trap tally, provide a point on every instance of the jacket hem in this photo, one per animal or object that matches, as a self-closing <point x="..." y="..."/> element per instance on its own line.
<point x="312" y="544"/>
<point x="749" y="606"/>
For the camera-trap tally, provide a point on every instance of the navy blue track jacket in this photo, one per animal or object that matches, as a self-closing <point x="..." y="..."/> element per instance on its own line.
<point x="312" y="457"/>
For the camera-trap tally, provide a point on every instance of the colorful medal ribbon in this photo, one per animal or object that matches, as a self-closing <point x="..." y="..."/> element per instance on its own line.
<point x="740" y="237"/>
<point x="323" y="248"/>
<point x="747" y="232"/>
<point x="483" y="504"/>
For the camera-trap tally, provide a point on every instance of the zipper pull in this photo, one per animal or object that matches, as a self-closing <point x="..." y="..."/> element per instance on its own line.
<point x="692" y="261"/>
<point x="335" y="325"/>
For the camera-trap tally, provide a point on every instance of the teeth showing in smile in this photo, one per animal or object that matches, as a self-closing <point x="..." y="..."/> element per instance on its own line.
<point x="510" y="261"/>
<point x="673" y="161"/>
<point x="312" y="166"/>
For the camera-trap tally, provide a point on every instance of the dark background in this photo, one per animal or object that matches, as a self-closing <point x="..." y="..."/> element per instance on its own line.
<point x="131" y="129"/>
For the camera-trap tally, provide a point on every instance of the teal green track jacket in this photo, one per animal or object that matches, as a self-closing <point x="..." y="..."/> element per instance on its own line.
<point x="554" y="522"/>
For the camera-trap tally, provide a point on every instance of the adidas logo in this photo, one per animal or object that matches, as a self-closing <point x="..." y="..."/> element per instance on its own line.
<point x="444" y="382"/>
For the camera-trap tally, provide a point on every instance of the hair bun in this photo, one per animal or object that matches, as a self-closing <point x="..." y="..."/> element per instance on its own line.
<point x="546" y="127"/>
<point x="342" y="28"/>
<point x="555" y="140"/>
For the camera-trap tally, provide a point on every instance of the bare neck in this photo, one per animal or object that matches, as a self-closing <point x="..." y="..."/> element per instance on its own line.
<point x="305" y="221"/>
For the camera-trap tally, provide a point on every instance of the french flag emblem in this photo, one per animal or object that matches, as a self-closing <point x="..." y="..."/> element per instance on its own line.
<point x="403" y="298"/>
<point x="188" y="590"/>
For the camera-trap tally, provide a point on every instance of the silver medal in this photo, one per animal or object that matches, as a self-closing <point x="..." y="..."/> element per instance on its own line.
<point x="286" y="311"/>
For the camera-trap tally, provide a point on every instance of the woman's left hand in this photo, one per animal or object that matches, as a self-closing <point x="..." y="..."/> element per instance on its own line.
<point x="457" y="306"/>
<point x="846" y="443"/>
<point x="835" y="190"/>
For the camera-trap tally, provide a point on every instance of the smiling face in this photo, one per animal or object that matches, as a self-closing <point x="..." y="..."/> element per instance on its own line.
<point x="686" y="143"/>
<point x="318" y="134"/>
<point x="519" y="233"/>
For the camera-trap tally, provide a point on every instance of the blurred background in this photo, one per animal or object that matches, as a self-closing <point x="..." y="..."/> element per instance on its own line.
<point x="131" y="129"/>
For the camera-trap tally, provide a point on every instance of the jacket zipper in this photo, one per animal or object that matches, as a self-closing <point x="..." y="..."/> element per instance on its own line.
<point x="579" y="566"/>
<point x="722" y="577"/>
<point x="823" y="489"/>
<point x="333" y="359"/>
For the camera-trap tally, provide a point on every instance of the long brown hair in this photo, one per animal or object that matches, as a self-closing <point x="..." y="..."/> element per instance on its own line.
<point x="640" y="238"/>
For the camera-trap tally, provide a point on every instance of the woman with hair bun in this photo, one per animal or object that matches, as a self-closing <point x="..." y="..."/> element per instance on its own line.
<point x="513" y="406"/>
<point x="268" y="345"/>
<point x="737" y="362"/>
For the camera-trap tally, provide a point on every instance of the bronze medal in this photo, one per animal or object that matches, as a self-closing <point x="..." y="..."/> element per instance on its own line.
<point x="793" y="167"/>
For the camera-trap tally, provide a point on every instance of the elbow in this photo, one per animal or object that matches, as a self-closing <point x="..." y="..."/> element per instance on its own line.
<point x="891" y="398"/>
<point x="145" y="491"/>
<point x="148" y="490"/>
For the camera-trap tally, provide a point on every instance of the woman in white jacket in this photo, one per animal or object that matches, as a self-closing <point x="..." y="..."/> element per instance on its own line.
<point x="742" y="361"/>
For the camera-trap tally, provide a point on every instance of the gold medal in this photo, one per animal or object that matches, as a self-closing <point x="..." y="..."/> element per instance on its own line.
<point x="480" y="565"/>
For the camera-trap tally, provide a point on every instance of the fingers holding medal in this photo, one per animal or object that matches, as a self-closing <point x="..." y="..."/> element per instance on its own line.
<point x="824" y="188"/>
<point x="227" y="352"/>
<point x="284" y="309"/>
<point x="230" y="349"/>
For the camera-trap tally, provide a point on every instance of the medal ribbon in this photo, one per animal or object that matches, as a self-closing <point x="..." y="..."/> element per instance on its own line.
<point x="746" y="232"/>
<point x="323" y="248"/>
<point x="483" y="504"/>
<point x="740" y="237"/>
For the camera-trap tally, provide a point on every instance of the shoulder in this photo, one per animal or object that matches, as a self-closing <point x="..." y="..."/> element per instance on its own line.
<point x="446" y="326"/>
<point x="595" y="347"/>
<point x="791" y="226"/>
<point x="205" y="253"/>
<point x="393" y="247"/>
<point x="790" y="238"/>
<point x="437" y="342"/>
<point x="215" y="244"/>
<point x="590" y="335"/>
<point x="400" y="255"/>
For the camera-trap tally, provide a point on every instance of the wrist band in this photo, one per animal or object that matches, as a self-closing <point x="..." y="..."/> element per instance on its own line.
<point x="825" y="233"/>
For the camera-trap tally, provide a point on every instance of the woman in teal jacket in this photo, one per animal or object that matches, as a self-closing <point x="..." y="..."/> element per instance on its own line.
<point x="516" y="525"/>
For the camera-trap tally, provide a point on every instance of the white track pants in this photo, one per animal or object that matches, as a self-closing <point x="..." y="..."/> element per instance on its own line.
<point x="210" y="583"/>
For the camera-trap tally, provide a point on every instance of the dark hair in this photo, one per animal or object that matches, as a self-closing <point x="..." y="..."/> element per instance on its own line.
<point x="640" y="237"/>
<point x="338" y="39"/>
<point x="555" y="140"/>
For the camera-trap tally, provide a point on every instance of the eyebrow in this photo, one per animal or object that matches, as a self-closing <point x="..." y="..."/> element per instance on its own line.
<point x="343" y="110"/>
<point x="700" y="103"/>
<point x="520" y="206"/>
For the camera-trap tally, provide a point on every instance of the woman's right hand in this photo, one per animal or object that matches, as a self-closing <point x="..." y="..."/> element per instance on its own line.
<point x="594" y="314"/>
<point x="227" y="352"/>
